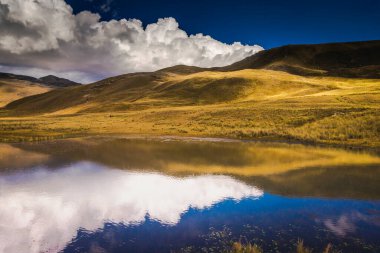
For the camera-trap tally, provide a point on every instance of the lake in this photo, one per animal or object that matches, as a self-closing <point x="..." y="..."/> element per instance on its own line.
<point x="185" y="195"/>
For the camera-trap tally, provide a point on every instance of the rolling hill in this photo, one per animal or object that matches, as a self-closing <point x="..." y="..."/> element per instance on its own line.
<point x="187" y="85"/>
<point x="254" y="98"/>
<point x="164" y="89"/>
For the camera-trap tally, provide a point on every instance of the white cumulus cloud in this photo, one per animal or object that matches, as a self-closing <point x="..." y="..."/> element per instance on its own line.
<point x="46" y="37"/>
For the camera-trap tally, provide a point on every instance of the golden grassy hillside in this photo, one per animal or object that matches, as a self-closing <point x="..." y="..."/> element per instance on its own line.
<point x="11" y="90"/>
<point x="249" y="104"/>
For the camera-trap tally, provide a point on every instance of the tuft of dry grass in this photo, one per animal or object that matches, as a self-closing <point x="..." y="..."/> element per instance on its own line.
<point x="301" y="248"/>
<point x="238" y="247"/>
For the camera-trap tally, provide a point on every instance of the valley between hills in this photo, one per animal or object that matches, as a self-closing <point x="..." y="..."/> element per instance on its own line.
<point x="321" y="94"/>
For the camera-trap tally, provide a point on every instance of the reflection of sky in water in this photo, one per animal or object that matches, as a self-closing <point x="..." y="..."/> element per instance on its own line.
<point x="271" y="221"/>
<point x="86" y="207"/>
<point x="41" y="210"/>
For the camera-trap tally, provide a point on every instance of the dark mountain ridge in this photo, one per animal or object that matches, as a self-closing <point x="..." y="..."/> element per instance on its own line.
<point x="57" y="81"/>
<point x="351" y="59"/>
<point x="49" y="80"/>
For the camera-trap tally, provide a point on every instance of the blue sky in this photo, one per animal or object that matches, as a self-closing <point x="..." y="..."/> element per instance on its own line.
<point x="88" y="40"/>
<point x="267" y="23"/>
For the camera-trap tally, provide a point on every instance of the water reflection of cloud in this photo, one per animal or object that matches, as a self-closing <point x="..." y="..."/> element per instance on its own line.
<point x="346" y="223"/>
<point x="341" y="227"/>
<point x="41" y="210"/>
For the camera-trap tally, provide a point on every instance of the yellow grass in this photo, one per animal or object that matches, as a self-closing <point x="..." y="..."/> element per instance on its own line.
<point x="11" y="90"/>
<point x="246" y="104"/>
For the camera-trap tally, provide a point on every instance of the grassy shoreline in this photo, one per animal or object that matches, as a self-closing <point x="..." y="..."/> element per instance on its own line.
<point x="192" y="123"/>
<point x="58" y="137"/>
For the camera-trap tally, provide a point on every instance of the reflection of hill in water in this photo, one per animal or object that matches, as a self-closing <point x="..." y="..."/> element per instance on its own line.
<point x="278" y="168"/>
<point x="154" y="154"/>
<point x="357" y="182"/>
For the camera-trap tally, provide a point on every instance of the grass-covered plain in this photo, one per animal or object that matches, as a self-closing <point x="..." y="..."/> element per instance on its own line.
<point x="245" y="104"/>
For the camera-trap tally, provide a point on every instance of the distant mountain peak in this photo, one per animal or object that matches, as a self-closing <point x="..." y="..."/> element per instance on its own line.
<point x="57" y="81"/>
<point x="49" y="80"/>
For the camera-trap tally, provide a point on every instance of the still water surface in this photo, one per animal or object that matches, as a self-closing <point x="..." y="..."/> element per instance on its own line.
<point x="165" y="195"/>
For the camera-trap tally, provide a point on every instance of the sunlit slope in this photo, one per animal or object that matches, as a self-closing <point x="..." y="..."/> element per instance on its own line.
<point x="248" y="104"/>
<point x="164" y="89"/>
<point x="11" y="90"/>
